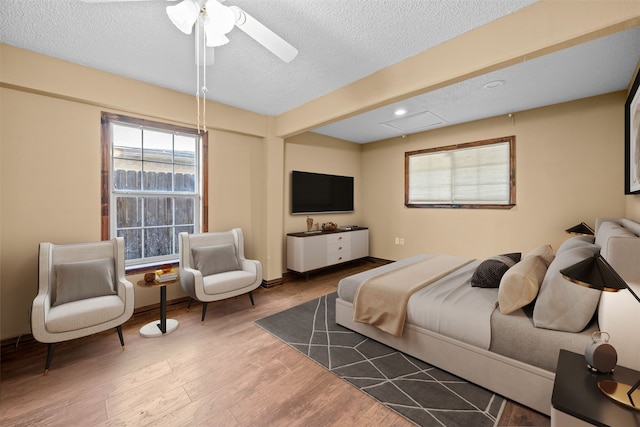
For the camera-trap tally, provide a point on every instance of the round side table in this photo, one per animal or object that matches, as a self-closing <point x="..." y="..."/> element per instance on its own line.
<point x="158" y="328"/>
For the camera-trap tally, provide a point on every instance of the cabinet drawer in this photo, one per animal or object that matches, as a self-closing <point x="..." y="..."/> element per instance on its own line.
<point x="337" y="258"/>
<point x="339" y="251"/>
<point x="337" y="238"/>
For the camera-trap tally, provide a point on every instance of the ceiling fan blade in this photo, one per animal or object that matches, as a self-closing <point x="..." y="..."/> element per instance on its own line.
<point x="263" y="35"/>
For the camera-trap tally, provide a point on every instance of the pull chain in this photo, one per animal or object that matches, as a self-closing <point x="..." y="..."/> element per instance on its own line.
<point x="201" y="92"/>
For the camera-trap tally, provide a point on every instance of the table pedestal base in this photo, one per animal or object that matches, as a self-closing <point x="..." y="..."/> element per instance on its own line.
<point x="152" y="329"/>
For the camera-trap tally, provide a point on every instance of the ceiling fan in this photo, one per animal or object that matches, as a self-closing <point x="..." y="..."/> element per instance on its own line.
<point x="217" y="20"/>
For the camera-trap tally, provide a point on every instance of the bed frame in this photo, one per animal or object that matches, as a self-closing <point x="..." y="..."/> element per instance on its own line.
<point x="518" y="381"/>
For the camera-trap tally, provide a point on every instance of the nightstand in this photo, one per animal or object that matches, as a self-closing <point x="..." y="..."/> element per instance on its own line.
<point x="577" y="401"/>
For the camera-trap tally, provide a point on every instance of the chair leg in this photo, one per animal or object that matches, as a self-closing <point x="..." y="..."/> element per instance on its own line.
<point x="49" y="357"/>
<point x="251" y="297"/>
<point x="204" y="311"/>
<point x="189" y="304"/>
<point x="119" y="329"/>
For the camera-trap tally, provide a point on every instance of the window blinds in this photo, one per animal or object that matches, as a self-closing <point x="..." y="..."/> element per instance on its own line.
<point x="471" y="175"/>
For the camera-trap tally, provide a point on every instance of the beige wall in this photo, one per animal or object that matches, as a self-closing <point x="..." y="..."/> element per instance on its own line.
<point x="569" y="168"/>
<point x="311" y="152"/>
<point x="49" y="155"/>
<point x="50" y="168"/>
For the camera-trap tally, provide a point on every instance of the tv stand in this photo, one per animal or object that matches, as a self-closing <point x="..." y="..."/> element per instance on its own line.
<point x="308" y="251"/>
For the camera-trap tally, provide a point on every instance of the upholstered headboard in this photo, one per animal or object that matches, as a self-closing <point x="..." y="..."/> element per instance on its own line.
<point x="619" y="312"/>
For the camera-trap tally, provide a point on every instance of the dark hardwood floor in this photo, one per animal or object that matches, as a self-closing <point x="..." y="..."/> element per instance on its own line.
<point x="225" y="372"/>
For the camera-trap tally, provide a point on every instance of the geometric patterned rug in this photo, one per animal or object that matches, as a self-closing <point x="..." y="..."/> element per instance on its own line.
<point x="422" y="393"/>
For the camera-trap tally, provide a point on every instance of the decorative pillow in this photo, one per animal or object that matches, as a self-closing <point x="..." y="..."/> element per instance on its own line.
<point x="545" y="251"/>
<point x="520" y="284"/>
<point x="215" y="259"/>
<point x="84" y="279"/>
<point x="561" y="304"/>
<point x="575" y="242"/>
<point x="490" y="271"/>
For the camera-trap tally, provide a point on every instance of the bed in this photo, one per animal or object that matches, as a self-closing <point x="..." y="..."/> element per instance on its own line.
<point x="505" y="332"/>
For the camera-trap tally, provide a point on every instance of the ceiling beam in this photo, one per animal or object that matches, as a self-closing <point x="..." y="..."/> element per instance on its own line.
<point x="542" y="28"/>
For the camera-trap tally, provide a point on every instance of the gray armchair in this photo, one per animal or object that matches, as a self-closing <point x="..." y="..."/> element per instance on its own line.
<point x="82" y="290"/>
<point x="213" y="267"/>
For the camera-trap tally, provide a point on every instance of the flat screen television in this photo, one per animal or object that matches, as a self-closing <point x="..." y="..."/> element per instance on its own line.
<point x="319" y="193"/>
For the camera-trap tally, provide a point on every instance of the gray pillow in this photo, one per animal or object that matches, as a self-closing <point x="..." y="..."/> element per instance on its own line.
<point x="561" y="304"/>
<point x="575" y="242"/>
<point x="84" y="279"/>
<point x="490" y="271"/>
<point x="215" y="259"/>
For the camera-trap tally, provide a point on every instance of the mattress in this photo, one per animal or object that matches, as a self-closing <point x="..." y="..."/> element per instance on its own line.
<point x="514" y="336"/>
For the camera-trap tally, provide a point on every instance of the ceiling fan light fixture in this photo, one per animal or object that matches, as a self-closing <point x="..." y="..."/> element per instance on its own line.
<point x="220" y="18"/>
<point x="218" y="21"/>
<point x="184" y="15"/>
<point x="215" y="39"/>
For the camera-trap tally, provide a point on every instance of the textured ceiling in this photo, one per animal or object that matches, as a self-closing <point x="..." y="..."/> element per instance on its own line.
<point x="340" y="41"/>
<point x="601" y="66"/>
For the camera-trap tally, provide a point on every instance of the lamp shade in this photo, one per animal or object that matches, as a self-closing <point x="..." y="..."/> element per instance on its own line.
<point x="184" y="15"/>
<point x="595" y="273"/>
<point x="219" y="21"/>
<point x="581" y="228"/>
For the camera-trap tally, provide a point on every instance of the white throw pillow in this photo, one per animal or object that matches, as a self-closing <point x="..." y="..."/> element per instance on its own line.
<point x="545" y="251"/>
<point x="520" y="284"/>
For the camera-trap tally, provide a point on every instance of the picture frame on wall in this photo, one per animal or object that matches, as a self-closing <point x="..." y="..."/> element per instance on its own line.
<point x="632" y="139"/>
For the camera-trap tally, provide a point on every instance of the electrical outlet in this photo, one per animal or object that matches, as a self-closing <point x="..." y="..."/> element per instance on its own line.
<point x="402" y="241"/>
<point x="397" y="240"/>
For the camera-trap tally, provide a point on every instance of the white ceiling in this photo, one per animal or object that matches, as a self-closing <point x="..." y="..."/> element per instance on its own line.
<point x="340" y="41"/>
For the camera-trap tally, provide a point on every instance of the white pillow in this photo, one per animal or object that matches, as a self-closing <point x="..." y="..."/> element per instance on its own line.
<point x="520" y="284"/>
<point x="545" y="251"/>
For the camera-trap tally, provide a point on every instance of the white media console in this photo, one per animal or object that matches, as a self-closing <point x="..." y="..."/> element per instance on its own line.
<point x="310" y="251"/>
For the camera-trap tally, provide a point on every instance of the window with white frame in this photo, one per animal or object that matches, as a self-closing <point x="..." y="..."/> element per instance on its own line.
<point x="154" y="186"/>
<point x="473" y="175"/>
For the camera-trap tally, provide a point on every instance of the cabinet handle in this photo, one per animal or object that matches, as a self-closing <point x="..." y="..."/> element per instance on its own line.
<point x="340" y="259"/>
<point x="340" y="248"/>
<point x="340" y="238"/>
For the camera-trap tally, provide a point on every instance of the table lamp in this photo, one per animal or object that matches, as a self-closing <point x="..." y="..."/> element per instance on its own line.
<point x="597" y="273"/>
<point x="581" y="228"/>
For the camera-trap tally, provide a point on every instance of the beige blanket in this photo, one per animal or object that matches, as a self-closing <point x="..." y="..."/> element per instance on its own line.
<point x="381" y="300"/>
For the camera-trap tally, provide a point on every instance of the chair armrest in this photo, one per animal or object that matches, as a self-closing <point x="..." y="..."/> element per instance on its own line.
<point x="248" y="265"/>
<point x="39" y="314"/>
<point x="127" y="295"/>
<point x="189" y="277"/>
<point x="252" y="266"/>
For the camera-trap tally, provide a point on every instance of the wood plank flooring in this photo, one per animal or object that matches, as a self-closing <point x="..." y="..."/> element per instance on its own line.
<point x="225" y="372"/>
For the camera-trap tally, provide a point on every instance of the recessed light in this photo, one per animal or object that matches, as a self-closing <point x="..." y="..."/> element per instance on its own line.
<point x="493" y="84"/>
<point x="400" y="112"/>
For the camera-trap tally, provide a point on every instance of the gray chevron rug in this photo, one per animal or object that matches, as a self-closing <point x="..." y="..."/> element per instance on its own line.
<point x="422" y="393"/>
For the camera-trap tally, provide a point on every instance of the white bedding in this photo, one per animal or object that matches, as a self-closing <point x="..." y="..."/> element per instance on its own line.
<point x="449" y="306"/>
<point x="452" y="307"/>
<point x="382" y="300"/>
